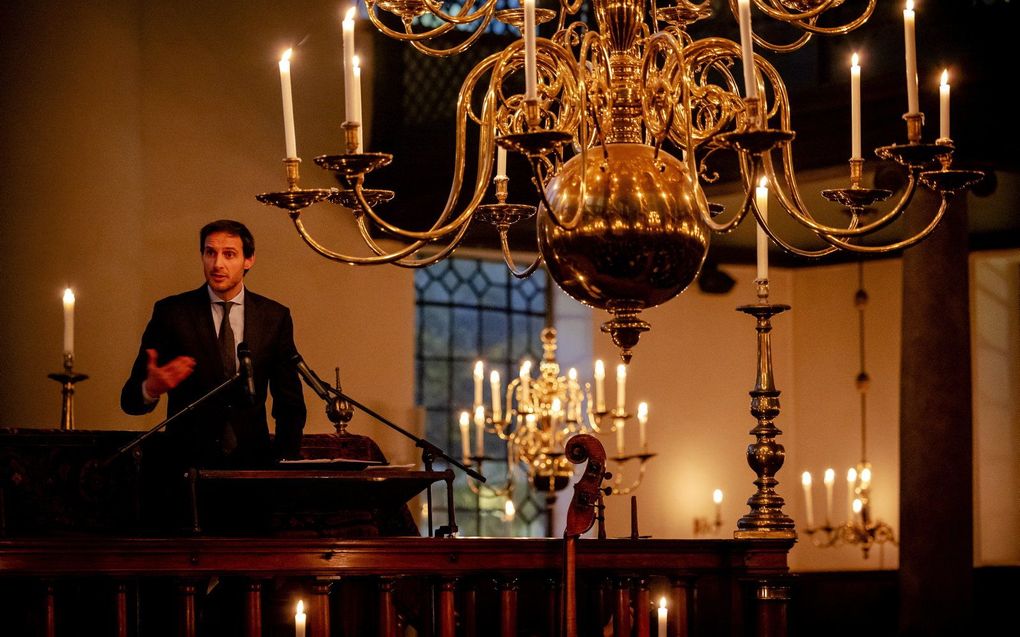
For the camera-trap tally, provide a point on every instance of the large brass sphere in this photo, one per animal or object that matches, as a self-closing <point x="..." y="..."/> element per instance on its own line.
<point x="639" y="239"/>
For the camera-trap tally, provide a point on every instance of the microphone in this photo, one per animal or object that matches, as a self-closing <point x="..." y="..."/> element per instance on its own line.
<point x="247" y="372"/>
<point x="309" y="377"/>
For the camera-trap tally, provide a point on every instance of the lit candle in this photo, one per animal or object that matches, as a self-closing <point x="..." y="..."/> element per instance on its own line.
<point x="851" y="483"/>
<point x="68" y="322"/>
<point x="621" y="387"/>
<point x="479" y="375"/>
<point x="480" y="431"/>
<point x="500" y="162"/>
<point x="829" y="480"/>
<point x="866" y="478"/>
<point x="642" y="418"/>
<point x="911" y="55"/>
<point x="573" y="408"/>
<point x="855" y="108"/>
<point x="663" y="614"/>
<point x="530" y="57"/>
<point x="509" y="511"/>
<point x="497" y="393"/>
<point x="350" y="109"/>
<point x="746" y="49"/>
<point x="300" y="619"/>
<point x="944" y="105"/>
<point x="555" y="412"/>
<point x="357" y="103"/>
<point x="619" y="422"/>
<point x="288" y="105"/>
<point x="600" y="387"/>
<point x="858" y="506"/>
<point x="465" y="444"/>
<point x="805" y="480"/>
<point x="525" y="377"/>
<point x="717" y="498"/>
<point x="761" y="196"/>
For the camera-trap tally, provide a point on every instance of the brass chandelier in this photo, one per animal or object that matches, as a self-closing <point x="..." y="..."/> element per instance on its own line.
<point x="537" y="417"/>
<point x="860" y="527"/>
<point x="620" y="128"/>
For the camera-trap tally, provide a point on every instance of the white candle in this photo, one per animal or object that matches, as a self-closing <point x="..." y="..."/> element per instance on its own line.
<point x="530" y="57"/>
<point x="746" y="48"/>
<point x="944" y="105"/>
<point x="465" y="444"/>
<point x="851" y="483"/>
<point x="69" y="322"/>
<point x="857" y="507"/>
<point x="509" y="511"/>
<point x="866" y="478"/>
<point x="555" y="413"/>
<point x="572" y="403"/>
<point x="761" y="198"/>
<point x="663" y="614"/>
<point x="805" y="481"/>
<point x="288" y="105"/>
<point x="717" y="497"/>
<point x="642" y="418"/>
<point x="497" y="394"/>
<point x="357" y="103"/>
<point x="621" y="387"/>
<point x="479" y="375"/>
<point x="480" y="431"/>
<point x="855" y="108"/>
<point x="500" y="162"/>
<point x="600" y="387"/>
<point x="911" y="56"/>
<point x="300" y="620"/>
<point x="525" y="377"/>
<point x="619" y="422"/>
<point x="350" y="109"/>
<point x="829" y="480"/>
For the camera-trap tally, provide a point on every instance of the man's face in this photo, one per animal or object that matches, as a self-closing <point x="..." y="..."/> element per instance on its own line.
<point x="224" y="264"/>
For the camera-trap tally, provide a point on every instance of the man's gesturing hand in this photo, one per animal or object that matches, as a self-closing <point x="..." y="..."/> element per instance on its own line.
<point x="160" y="380"/>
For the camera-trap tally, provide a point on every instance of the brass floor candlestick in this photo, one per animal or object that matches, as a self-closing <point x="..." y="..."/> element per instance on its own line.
<point x="67" y="380"/>
<point x="765" y="456"/>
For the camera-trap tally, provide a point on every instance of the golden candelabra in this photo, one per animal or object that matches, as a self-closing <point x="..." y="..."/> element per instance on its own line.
<point x="537" y="415"/>
<point x="860" y="528"/>
<point x="621" y="127"/>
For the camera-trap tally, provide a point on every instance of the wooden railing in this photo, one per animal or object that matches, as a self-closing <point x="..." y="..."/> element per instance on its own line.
<point x="444" y="587"/>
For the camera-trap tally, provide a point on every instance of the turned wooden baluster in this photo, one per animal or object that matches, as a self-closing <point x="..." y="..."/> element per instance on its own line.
<point x="447" y="610"/>
<point x="621" y="609"/>
<point x="320" y="609"/>
<point x="120" y="603"/>
<point x="771" y="611"/>
<point x="187" y="618"/>
<point x="678" y="614"/>
<point x="508" y="607"/>
<point x="642" y="606"/>
<point x="387" y="611"/>
<point x="469" y="615"/>
<point x="252" y="608"/>
<point x="50" y="610"/>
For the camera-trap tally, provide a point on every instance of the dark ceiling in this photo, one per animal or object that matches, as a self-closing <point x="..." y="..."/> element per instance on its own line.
<point x="415" y="98"/>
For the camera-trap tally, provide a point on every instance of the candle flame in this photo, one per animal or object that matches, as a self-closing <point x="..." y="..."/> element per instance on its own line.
<point x="945" y="77"/>
<point x="356" y="62"/>
<point x="572" y="373"/>
<point x="642" y="411"/>
<point x="68" y="295"/>
<point x="350" y="14"/>
<point x="851" y="475"/>
<point x="621" y="371"/>
<point x="910" y="5"/>
<point x="300" y="607"/>
<point x="662" y="602"/>
<point x="855" y="60"/>
<point x="465" y="418"/>
<point x="600" y="368"/>
<point x="717" y="496"/>
<point x="509" y="509"/>
<point x="526" y="369"/>
<point x="763" y="182"/>
<point x="478" y="364"/>
<point x="830" y="476"/>
<point x="858" y="505"/>
<point x="286" y="55"/>
<point x="494" y="377"/>
<point x="805" y="479"/>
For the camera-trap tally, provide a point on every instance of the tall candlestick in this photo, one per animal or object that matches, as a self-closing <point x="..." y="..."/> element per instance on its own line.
<point x="465" y="444"/>
<point x="600" y="387"/>
<point x="621" y="387"/>
<point x="300" y="620"/>
<point x="663" y="615"/>
<point x="480" y="431"/>
<point x="911" y="57"/>
<point x="746" y="48"/>
<point x="350" y="109"/>
<point x="497" y="396"/>
<point x="851" y="483"/>
<point x="69" y="322"/>
<point x="829" y="479"/>
<point x="500" y="162"/>
<point x="805" y="481"/>
<point x="530" y="55"/>
<point x="479" y="375"/>
<point x="642" y="418"/>
<point x="357" y="103"/>
<point x="288" y="105"/>
<point x="855" y="108"/>
<point x="619" y="422"/>
<point x="944" y="105"/>
<point x="761" y="198"/>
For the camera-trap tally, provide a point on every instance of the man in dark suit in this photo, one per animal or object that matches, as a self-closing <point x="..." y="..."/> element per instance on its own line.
<point x="190" y="346"/>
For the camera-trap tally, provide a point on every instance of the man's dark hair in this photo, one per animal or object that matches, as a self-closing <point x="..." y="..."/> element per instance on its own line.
<point x="229" y="226"/>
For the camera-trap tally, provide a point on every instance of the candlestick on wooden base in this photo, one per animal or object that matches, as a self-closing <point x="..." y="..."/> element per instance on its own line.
<point x="67" y="381"/>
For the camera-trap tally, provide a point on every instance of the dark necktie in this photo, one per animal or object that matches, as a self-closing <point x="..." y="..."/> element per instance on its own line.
<point x="227" y="345"/>
<point x="228" y="442"/>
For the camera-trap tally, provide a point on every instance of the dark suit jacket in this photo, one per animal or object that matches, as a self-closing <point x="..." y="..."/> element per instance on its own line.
<point x="182" y="325"/>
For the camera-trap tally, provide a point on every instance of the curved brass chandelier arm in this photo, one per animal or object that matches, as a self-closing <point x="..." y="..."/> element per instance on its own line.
<point x="509" y="259"/>
<point x="456" y="49"/>
<point x="352" y="260"/>
<point x="465" y="15"/>
<point x="407" y="35"/>
<point x="899" y="245"/>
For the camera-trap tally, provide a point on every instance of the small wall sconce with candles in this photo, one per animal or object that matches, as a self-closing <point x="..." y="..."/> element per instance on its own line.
<point x="859" y="527"/>
<point x="702" y="526"/>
